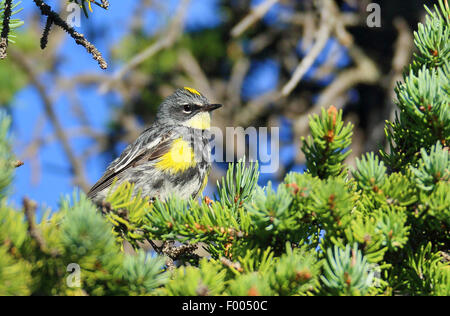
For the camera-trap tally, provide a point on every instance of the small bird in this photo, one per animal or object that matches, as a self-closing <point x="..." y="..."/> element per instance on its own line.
<point x="171" y="157"/>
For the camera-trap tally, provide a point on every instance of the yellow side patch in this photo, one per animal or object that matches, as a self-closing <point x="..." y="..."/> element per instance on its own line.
<point x="191" y="90"/>
<point x="201" y="121"/>
<point x="179" y="158"/>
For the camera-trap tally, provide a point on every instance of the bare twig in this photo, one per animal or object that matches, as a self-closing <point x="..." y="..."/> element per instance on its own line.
<point x="309" y="30"/>
<point x="257" y="13"/>
<point x="308" y="61"/>
<point x="105" y="4"/>
<point x="173" y="253"/>
<point x="343" y="36"/>
<point x="18" y="163"/>
<point x="166" y="40"/>
<point x="3" y="47"/>
<point x="232" y="265"/>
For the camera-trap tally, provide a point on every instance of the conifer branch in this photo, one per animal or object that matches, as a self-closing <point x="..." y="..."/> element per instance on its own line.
<point x="79" y="38"/>
<point x="5" y="28"/>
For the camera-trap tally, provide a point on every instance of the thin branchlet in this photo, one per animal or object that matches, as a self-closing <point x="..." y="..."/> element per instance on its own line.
<point x="79" y="38"/>
<point x="44" y="38"/>
<point x="104" y="4"/>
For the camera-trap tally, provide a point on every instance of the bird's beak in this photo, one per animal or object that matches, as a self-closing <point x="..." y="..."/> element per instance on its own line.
<point x="211" y="107"/>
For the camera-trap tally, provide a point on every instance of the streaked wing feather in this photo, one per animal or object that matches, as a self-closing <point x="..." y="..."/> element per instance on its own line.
<point x="136" y="158"/>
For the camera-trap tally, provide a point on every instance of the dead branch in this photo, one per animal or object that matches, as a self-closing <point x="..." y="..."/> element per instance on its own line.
<point x="232" y="265"/>
<point x="257" y="13"/>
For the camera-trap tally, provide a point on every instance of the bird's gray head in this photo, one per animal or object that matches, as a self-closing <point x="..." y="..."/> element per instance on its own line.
<point x="186" y="107"/>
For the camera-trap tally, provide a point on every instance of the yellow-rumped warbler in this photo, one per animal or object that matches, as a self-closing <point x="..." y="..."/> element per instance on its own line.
<point x="170" y="157"/>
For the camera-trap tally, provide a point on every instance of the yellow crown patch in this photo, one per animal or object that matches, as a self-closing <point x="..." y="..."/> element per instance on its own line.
<point x="192" y="90"/>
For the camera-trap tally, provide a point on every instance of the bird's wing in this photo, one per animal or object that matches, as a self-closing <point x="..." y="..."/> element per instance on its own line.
<point x="132" y="156"/>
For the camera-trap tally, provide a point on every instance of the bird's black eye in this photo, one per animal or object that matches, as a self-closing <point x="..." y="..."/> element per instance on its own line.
<point x="187" y="108"/>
